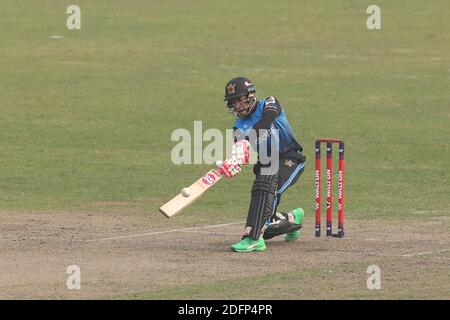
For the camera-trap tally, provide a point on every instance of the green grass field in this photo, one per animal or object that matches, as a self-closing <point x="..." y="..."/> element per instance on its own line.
<point x="87" y="119"/>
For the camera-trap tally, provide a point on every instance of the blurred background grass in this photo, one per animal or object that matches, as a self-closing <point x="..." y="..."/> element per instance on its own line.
<point x="88" y="118"/>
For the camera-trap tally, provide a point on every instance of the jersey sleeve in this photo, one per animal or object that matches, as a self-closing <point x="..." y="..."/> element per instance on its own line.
<point x="271" y="110"/>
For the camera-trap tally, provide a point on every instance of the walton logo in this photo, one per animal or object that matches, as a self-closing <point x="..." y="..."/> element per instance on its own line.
<point x="231" y="88"/>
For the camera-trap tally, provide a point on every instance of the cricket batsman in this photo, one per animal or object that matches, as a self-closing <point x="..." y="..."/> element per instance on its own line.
<point x="263" y="126"/>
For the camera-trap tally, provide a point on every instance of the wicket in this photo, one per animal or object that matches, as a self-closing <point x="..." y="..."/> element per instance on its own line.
<point x="329" y="189"/>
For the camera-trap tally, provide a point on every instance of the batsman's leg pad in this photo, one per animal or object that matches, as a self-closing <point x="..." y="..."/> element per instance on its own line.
<point x="262" y="204"/>
<point x="282" y="223"/>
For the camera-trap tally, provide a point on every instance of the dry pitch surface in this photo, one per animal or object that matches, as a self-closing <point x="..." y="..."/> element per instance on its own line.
<point x="121" y="255"/>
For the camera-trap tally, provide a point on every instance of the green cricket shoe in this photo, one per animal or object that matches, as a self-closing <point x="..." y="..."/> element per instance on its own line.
<point x="248" y="244"/>
<point x="298" y="214"/>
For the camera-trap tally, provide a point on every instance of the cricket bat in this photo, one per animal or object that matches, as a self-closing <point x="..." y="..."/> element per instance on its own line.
<point x="197" y="189"/>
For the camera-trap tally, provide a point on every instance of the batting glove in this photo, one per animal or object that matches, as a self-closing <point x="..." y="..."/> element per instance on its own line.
<point x="229" y="167"/>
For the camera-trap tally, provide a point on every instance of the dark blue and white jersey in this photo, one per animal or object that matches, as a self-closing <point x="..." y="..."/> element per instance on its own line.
<point x="268" y="115"/>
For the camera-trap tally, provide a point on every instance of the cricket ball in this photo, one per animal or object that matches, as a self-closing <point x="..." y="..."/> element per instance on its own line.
<point x="185" y="192"/>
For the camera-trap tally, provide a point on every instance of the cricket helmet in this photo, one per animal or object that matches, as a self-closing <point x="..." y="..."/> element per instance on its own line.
<point x="238" y="87"/>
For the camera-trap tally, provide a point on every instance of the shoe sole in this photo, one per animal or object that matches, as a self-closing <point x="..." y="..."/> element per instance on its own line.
<point x="250" y="250"/>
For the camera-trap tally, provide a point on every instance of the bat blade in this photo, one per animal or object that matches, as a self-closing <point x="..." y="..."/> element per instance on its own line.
<point x="198" y="188"/>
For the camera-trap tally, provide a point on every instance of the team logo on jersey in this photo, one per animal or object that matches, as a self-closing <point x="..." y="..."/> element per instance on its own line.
<point x="270" y="100"/>
<point x="270" y="104"/>
<point x="231" y="88"/>
<point x="288" y="163"/>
